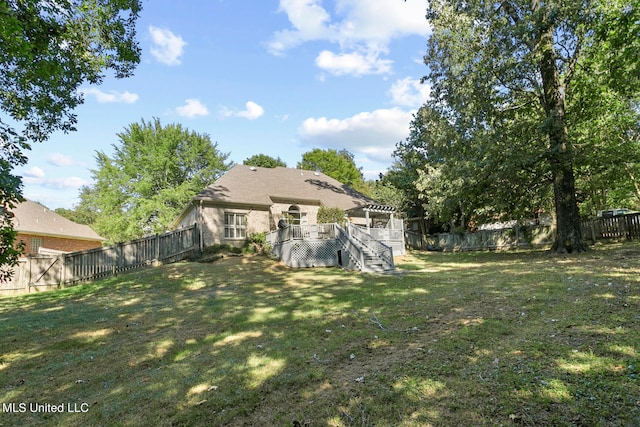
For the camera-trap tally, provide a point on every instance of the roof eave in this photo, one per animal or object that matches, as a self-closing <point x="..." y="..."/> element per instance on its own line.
<point x="62" y="236"/>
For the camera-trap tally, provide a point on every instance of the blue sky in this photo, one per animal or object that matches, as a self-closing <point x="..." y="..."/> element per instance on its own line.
<point x="259" y="77"/>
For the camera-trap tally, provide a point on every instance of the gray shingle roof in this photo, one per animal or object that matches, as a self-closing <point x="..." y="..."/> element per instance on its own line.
<point x="264" y="186"/>
<point x="33" y="218"/>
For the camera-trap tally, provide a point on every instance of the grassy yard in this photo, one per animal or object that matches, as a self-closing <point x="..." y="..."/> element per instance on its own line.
<point x="465" y="339"/>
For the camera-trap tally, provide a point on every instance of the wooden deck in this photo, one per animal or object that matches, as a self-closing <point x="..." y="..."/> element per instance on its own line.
<point x="331" y="245"/>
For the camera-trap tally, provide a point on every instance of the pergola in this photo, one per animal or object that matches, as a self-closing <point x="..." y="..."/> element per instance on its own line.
<point x="372" y="211"/>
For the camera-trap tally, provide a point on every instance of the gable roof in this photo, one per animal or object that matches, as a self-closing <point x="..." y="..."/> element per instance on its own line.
<point x="264" y="186"/>
<point x="33" y="218"/>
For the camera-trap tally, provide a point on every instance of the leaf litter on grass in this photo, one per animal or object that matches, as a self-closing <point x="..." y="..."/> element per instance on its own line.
<point x="522" y="338"/>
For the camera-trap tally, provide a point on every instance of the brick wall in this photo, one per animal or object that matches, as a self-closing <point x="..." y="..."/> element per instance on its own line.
<point x="57" y="243"/>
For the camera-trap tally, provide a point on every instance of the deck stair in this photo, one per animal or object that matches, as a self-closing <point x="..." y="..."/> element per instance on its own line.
<point x="376" y="256"/>
<point x="330" y="245"/>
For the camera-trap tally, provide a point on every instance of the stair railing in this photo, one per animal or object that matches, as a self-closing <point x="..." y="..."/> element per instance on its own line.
<point x="382" y="251"/>
<point x="353" y="250"/>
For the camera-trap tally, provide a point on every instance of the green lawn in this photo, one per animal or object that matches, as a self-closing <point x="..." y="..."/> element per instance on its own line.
<point x="457" y="339"/>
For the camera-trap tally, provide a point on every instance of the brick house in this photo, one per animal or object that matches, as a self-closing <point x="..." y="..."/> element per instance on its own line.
<point x="248" y="199"/>
<point x="42" y="229"/>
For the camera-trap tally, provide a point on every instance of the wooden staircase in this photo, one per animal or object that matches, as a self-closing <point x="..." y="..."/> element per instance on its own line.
<point x="376" y="257"/>
<point x="374" y="264"/>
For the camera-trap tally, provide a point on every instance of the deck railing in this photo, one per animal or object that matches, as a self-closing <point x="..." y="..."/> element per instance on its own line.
<point x="302" y="232"/>
<point x="381" y="250"/>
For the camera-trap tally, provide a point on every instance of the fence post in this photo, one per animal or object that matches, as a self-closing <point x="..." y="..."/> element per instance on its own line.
<point x="157" y="249"/>
<point x="62" y="269"/>
<point x="119" y="258"/>
<point x="627" y="226"/>
<point x="196" y="238"/>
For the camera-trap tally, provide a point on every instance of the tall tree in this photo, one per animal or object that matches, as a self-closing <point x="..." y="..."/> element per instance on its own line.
<point x="264" y="161"/>
<point x="618" y="34"/>
<point x="339" y="165"/>
<point x="83" y="212"/>
<point x="503" y="74"/>
<point x="48" y="50"/>
<point x="152" y="175"/>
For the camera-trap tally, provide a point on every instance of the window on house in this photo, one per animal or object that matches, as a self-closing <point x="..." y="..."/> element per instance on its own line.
<point x="235" y="225"/>
<point x="294" y="217"/>
<point x="36" y="244"/>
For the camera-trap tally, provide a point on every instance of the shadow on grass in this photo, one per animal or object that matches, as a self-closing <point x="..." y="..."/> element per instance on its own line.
<point x="460" y="339"/>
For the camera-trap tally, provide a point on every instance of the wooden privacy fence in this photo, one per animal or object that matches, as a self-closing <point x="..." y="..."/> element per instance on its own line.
<point x="42" y="272"/>
<point x="595" y="229"/>
<point x="504" y="238"/>
<point x="617" y="227"/>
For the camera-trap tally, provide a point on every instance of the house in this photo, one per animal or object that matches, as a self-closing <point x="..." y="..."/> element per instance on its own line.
<point x="248" y="199"/>
<point x="43" y="230"/>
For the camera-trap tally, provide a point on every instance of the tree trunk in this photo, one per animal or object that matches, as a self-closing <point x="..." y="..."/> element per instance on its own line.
<point x="561" y="155"/>
<point x="568" y="227"/>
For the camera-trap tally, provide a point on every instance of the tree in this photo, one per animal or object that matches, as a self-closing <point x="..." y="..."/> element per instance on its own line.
<point x="152" y="175"/>
<point x="609" y="130"/>
<point x="461" y="178"/>
<point x="331" y="215"/>
<point x="617" y="32"/>
<point x="264" y="161"/>
<point x="503" y="75"/>
<point x="83" y="212"/>
<point x="336" y="164"/>
<point x="49" y="49"/>
<point x="397" y="187"/>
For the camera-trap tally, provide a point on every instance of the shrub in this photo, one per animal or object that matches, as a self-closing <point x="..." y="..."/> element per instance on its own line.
<point x="214" y="249"/>
<point x="331" y="215"/>
<point x="257" y="244"/>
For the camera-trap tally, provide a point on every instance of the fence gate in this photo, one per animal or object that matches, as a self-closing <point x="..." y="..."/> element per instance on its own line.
<point x="44" y="271"/>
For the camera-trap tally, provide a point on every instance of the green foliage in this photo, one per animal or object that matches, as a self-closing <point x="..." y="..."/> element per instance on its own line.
<point x="618" y="35"/>
<point x="264" y="161"/>
<point x="222" y="247"/>
<point x="459" y="178"/>
<point x="152" y="175"/>
<point x="397" y="187"/>
<point x="9" y="251"/>
<point x="518" y="108"/>
<point x="50" y="49"/>
<point x="336" y="164"/>
<point x="83" y="212"/>
<point x="257" y="244"/>
<point x="10" y="196"/>
<point x="389" y="195"/>
<point x="331" y="215"/>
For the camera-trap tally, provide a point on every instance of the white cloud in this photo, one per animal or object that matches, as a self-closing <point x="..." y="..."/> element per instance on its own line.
<point x="252" y="111"/>
<point x="353" y="63"/>
<point x="372" y="135"/>
<point x="67" y="182"/>
<point x="58" y="159"/>
<point x="309" y="21"/>
<point x="192" y="108"/>
<point x="362" y="32"/>
<point x="380" y="24"/>
<point x="111" y="97"/>
<point x="34" y="172"/>
<point x="35" y="176"/>
<point x="409" y="92"/>
<point x="167" y="47"/>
